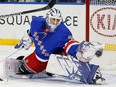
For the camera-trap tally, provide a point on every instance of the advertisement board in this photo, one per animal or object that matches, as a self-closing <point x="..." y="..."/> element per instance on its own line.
<point x="15" y="27"/>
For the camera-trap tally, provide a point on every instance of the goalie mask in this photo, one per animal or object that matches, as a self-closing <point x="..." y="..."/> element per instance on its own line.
<point x="53" y="19"/>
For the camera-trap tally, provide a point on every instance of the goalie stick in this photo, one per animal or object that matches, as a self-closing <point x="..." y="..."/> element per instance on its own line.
<point x="50" y="5"/>
<point x="10" y="55"/>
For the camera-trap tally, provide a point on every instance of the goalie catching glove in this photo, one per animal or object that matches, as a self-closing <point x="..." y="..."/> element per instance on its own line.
<point x="87" y="50"/>
<point x="25" y="42"/>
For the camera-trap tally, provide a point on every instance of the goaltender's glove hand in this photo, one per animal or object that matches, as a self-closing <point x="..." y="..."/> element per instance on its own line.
<point x="87" y="50"/>
<point x="99" y="53"/>
<point x="99" y="49"/>
<point x="25" y="43"/>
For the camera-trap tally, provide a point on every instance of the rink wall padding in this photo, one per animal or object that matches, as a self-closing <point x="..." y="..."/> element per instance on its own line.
<point x="9" y="41"/>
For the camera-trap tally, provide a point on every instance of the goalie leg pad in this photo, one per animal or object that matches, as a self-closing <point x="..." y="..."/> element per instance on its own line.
<point x="72" y="68"/>
<point x="88" y="71"/>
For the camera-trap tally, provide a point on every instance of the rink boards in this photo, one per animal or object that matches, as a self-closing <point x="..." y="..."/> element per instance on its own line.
<point x="102" y="21"/>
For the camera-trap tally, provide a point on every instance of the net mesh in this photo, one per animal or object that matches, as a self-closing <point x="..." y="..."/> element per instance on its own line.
<point x="103" y="2"/>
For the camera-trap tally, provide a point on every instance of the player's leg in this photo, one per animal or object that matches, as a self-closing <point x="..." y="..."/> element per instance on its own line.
<point x="90" y="73"/>
<point x="98" y="79"/>
<point x="31" y="64"/>
<point x="74" y="69"/>
<point x="85" y="52"/>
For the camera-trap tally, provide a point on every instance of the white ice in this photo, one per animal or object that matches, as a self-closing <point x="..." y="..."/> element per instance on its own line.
<point x="5" y="51"/>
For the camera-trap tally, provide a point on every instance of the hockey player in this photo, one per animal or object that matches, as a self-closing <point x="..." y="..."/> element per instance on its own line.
<point x="51" y="36"/>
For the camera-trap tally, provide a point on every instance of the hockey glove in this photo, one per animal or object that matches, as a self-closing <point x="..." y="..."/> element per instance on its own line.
<point x="87" y="50"/>
<point x="25" y="43"/>
<point x="99" y="53"/>
<point x="99" y="48"/>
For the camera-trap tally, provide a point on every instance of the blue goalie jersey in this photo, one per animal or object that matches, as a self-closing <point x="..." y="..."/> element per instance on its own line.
<point x="47" y="43"/>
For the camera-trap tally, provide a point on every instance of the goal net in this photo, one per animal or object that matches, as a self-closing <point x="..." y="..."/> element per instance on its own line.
<point x="101" y="27"/>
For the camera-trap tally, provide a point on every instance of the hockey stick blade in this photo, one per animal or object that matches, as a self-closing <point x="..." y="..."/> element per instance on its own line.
<point x="50" y="5"/>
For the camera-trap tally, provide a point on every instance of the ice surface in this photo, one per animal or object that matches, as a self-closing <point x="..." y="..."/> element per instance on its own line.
<point x="5" y="51"/>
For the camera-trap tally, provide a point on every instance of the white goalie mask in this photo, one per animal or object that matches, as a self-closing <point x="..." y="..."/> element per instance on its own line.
<point x="53" y="19"/>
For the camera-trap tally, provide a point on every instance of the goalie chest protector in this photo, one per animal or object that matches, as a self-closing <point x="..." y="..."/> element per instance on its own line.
<point x="47" y="43"/>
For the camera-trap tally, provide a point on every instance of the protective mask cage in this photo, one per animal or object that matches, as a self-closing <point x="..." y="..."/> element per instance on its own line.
<point x="53" y="19"/>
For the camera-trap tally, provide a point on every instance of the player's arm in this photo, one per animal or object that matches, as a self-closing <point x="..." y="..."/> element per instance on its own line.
<point x="25" y="42"/>
<point x="88" y="50"/>
<point x="71" y="47"/>
<point x="84" y="51"/>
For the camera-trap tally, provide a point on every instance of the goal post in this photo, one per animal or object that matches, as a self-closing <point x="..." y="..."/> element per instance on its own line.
<point x="87" y="19"/>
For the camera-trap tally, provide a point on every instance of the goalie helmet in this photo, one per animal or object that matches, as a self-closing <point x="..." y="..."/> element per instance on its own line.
<point x="53" y="19"/>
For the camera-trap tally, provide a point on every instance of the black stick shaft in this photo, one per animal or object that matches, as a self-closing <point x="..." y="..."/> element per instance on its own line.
<point x="50" y="5"/>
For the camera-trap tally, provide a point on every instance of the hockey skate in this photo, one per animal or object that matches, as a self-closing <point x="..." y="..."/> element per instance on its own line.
<point x="98" y="79"/>
<point x="24" y="72"/>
